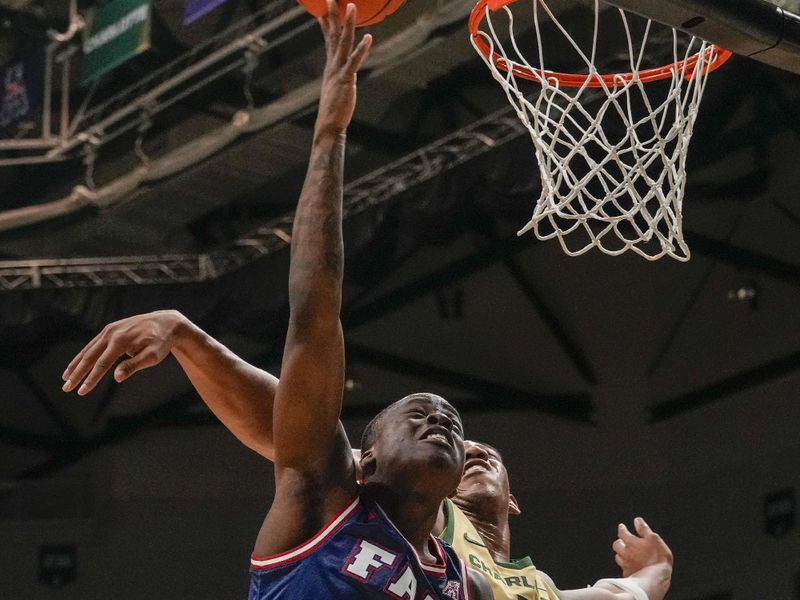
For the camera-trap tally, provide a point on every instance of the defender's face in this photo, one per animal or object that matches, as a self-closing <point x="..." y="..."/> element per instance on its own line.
<point x="422" y="433"/>
<point x="484" y="471"/>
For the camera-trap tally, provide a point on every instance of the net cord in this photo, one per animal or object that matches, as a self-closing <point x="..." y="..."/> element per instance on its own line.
<point x="636" y="206"/>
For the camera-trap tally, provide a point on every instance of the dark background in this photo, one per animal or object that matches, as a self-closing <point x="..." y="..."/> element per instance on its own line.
<point x="615" y="387"/>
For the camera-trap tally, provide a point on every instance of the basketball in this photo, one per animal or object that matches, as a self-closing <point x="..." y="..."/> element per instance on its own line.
<point x="368" y="12"/>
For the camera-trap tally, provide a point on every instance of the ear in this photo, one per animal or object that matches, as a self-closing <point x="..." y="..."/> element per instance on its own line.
<point x="513" y="505"/>
<point x="367" y="463"/>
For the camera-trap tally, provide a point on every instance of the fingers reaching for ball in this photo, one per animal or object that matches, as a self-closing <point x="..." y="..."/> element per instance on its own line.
<point x="344" y="59"/>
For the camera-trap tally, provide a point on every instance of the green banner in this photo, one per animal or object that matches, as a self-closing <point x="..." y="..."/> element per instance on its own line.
<point x="115" y="32"/>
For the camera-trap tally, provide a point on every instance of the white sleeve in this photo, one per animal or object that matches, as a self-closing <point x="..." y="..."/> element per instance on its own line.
<point x="627" y="585"/>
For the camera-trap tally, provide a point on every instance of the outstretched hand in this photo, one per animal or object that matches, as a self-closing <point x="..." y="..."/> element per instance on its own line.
<point x="338" y="97"/>
<point x="635" y="552"/>
<point x="146" y="339"/>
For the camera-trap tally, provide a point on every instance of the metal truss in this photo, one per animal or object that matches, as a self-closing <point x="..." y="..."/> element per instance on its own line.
<point x="237" y="47"/>
<point x="374" y="189"/>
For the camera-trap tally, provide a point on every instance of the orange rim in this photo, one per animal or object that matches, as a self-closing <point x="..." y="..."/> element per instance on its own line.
<point x="577" y="80"/>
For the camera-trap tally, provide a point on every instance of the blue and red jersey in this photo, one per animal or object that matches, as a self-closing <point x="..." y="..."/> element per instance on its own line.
<point x="359" y="554"/>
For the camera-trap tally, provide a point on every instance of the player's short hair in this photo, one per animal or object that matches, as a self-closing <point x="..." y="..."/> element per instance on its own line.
<point x="372" y="428"/>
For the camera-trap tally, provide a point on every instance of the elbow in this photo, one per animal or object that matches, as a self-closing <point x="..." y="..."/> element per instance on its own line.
<point x="312" y="313"/>
<point x="313" y="326"/>
<point x="308" y="303"/>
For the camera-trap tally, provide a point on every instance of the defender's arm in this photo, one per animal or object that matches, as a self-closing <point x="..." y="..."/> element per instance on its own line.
<point x="646" y="563"/>
<point x="239" y="394"/>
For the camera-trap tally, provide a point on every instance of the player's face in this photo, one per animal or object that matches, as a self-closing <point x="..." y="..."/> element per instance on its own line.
<point x="484" y="472"/>
<point x="422" y="435"/>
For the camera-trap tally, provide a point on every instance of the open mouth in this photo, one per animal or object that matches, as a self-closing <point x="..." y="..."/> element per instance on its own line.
<point x="437" y="435"/>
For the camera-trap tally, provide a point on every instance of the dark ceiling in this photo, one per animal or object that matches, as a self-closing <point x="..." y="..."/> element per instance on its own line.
<point x="440" y="292"/>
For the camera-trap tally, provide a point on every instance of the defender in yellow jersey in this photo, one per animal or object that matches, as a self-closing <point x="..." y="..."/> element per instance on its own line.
<point x="511" y="580"/>
<point x="475" y="522"/>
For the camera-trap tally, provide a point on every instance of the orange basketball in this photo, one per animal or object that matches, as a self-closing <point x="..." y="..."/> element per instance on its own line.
<point x="368" y="12"/>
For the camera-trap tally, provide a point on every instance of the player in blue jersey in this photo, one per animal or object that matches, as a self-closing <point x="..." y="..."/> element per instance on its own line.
<point x="360" y="552"/>
<point x="325" y="535"/>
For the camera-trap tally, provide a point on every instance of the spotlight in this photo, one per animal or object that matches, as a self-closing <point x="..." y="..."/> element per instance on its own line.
<point x="746" y="292"/>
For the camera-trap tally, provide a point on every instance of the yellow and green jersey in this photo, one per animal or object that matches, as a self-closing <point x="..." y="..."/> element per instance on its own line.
<point x="515" y="580"/>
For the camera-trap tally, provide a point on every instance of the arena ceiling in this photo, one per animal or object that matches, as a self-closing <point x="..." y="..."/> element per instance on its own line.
<point x="440" y="292"/>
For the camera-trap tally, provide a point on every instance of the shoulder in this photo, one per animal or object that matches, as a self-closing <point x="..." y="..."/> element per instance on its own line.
<point x="276" y="538"/>
<point x="306" y="501"/>
<point x="321" y="485"/>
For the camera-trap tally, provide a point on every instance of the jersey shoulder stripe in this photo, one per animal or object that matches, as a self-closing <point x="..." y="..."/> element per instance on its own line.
<point x="303" y="550"/>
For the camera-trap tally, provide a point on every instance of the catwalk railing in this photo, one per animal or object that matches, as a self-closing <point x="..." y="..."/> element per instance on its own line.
<point x="374" y="189"/>
<point x="234" y="48"/>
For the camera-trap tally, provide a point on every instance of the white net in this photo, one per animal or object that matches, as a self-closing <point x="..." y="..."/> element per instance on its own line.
<point x="612" y="157"/>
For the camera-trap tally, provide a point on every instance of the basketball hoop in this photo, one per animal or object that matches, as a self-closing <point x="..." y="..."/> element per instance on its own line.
<point x="601" y="188"/>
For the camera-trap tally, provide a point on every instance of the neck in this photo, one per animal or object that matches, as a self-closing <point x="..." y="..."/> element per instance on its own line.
<point x="412" y="511"/>
<point x="491" y="522"/>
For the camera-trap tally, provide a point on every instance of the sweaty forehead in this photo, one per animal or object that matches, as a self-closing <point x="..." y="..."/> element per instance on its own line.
<point x="425" y="400"/>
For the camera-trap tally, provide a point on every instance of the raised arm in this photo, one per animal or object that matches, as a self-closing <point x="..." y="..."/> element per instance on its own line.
<point x="239" y="394"/>
<point x="309" y="395"/>
<point x="314" y="470"/>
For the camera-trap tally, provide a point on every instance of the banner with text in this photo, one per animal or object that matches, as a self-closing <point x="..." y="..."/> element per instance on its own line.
<point x="194" y="9"/>
<point x="115" y="33"/>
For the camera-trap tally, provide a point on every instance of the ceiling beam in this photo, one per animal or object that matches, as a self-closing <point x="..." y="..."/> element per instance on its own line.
<point x="70" y="451"/>
<point x="104" y="402"/>
<point x="757" y="377"/>
<point x="743" y="258"/>
<point x="492" y="395"/>
<point x="789" y="214"/>
<point x="677" y="325"/>
<point x="567" y="345"/>
<point x="67" y="428"/>
<point x="362" y="410"/>
<point x="455" y="271"/>
<point x="25" y="439"/>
